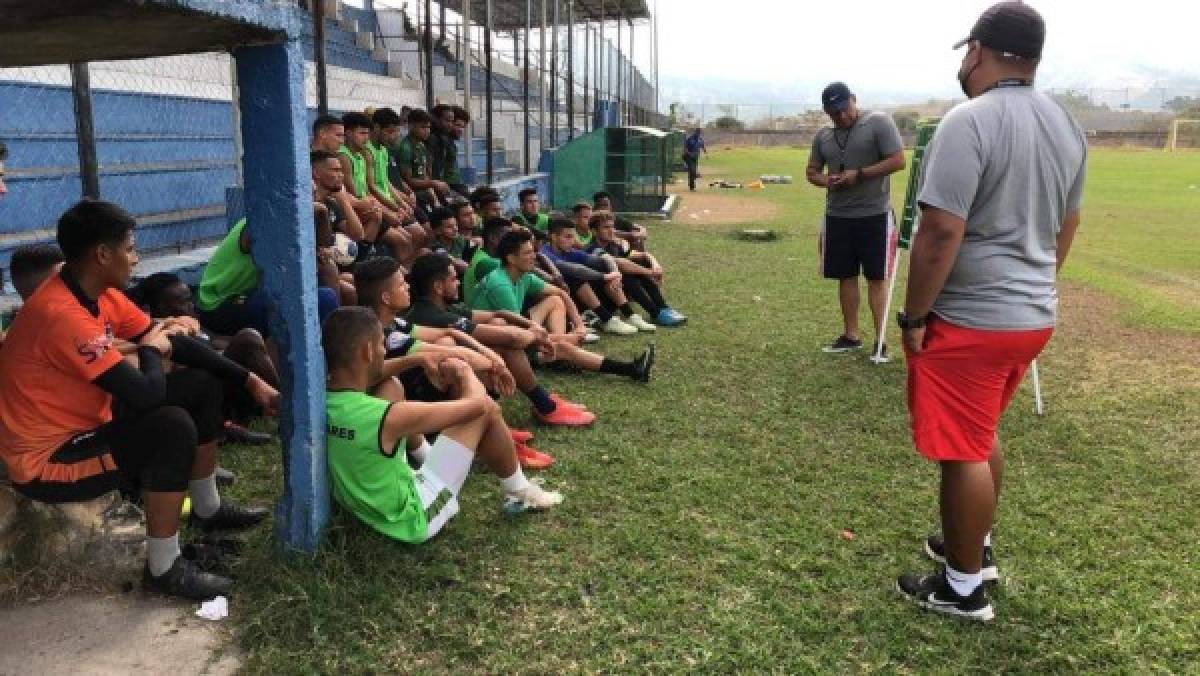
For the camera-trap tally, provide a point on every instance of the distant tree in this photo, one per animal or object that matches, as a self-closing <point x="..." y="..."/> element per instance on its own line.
<point x="1180" y="104"/>
<point x="727" y="123"/>
<point x="906" y="120"/>
<point x="1078" y="102"/>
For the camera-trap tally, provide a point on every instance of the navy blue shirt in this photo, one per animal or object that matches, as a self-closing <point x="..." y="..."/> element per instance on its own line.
<point x="693" y="144"/>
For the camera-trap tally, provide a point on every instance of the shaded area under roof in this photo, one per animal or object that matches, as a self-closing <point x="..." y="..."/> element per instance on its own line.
<point x="510" y="14"/>
<point x="35" y="32"/>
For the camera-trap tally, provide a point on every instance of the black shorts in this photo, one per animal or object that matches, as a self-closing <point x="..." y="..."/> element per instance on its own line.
<point x="152" y="450"/>
<point x="418" y="387"/>
<point x="854" y="246"/>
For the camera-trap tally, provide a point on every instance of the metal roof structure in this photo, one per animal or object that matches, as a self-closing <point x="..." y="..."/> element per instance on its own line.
<point x="510" y="14"/>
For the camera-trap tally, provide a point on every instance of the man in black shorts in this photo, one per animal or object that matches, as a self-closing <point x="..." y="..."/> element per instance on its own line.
<point x="861" y="151"/>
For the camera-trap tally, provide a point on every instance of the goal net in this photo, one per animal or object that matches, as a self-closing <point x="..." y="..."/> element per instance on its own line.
<point x="1183" y="135"/>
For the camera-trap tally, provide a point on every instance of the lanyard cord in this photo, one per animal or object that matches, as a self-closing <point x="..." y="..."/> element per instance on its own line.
<point x="842" y="145"/>
<point x="1009" y="82"/>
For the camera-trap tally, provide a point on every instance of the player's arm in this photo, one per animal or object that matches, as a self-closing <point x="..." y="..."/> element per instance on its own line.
<point x="407" y="418"/>
<point x="1066" y="236"/>
<point x="815" y="170"/>
<point x="352" y="227"/>
<point x="933" y="256"/>
<point x="887" y="166"/>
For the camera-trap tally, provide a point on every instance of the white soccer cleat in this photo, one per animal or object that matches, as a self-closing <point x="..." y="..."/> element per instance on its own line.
<point x="636" y="321"/>
<point x="532" y="497"/>
<point x="620" y="328"/>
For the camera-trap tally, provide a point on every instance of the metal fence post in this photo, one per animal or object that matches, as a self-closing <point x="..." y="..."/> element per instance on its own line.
<point x="85" y="130"/>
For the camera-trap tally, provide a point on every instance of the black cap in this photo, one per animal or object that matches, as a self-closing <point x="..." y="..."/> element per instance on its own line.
<point x="836" y="97"/>
<point x="1010" y="27"/>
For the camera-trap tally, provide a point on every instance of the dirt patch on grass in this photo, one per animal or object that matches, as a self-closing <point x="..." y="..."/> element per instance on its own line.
<point x="723" y="206"/>
<point x="1110" y="353"/>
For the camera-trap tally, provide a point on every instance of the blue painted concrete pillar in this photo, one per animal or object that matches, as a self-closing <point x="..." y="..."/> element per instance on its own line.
<point x="280" y="217"/>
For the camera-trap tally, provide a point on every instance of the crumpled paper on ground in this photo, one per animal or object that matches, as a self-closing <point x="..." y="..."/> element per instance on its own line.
<point x="214" y="609"/>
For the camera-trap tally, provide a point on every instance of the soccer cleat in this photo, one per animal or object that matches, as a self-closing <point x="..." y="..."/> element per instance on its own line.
<point x="531" y="458"/>
<point x="229" y="516"/>
<point x="532" y="497"/>
<point x="669" y="317"/>
<point x="843" y="344"/>
<point x="236" y="434"/>
<point x="635" y="320"/>
<point x="935" y="593"/>
<point x="614" y="325"/>
<point x="591" y="337"/>
<point x="224" y="477"/>
<point x="520" y="436"/>
<point x="565" y="416"/>
<point x="883" y="355"/>
<point x="559" y="401"/>
<point x="935" y="548"/>
<point x="643" y="364"/>
<point x="590" y="319"/>
<point x="184" y="578"/>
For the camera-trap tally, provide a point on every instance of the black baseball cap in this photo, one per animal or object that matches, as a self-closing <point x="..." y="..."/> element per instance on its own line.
<point x="1010" y="27"/>
<point x="836" y="97"/>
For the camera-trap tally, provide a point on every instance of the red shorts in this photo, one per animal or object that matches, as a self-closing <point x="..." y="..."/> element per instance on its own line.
<point x="961" y="382"/>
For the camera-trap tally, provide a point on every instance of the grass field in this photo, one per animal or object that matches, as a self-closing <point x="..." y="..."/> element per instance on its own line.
<point x="707" y="514"/>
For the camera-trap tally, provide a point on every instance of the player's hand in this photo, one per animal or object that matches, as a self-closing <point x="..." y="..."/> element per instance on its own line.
<point x="263" y="394"/>
<point x="914" y="340"/>
<point x="159" y="339"/>
<point x="503" y="379"/>
<point x="187" y="326"/>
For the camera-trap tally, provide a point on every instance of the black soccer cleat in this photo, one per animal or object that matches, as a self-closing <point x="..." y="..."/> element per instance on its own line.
<point x="184" y="578"/>
<point x="935" y="548"/>
<point x="935" y="593"/>
<point x="643" y="364"/>
<point x="229" y="516"/>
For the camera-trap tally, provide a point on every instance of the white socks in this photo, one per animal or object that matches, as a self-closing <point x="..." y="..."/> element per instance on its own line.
<point x="161" y="554"/>
<point x="963" y="584"/>
<point x="515" y="483"/>
<point x="987" y="539"/>
<point x="205" y="498"/>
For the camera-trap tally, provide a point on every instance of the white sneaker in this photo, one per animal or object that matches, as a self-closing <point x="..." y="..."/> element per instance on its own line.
<point x="635" y="320"/>
<point x="615" y="325"/>
<point x="591" y="337"/>
<point x="532" y="497"/>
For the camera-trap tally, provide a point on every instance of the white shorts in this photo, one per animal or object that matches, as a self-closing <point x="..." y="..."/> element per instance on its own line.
<point x="440" y="479"/>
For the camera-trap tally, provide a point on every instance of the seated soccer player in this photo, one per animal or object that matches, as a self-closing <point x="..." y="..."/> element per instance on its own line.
<point x="489" y="206"/>
<point x="581" y="216"/>
<point x="412" y="156"/>
<point x="626" y="229"/>
<point x="642" y="276"/>
<point x="358" y="172"/>
<point x="562" y="247"/>
<point x="31" y="265"/>
<point x="163" y="295"/>
<point x="385" y="134"/>
<point x="229" y="298"/>
<point x="77" y="420"/>
<point x="468" y="224"/>
<point x="435" y="293"/>
<point x="383" y="288"/>
<point x="529" y="215"/>
<point x="443" y="150"/>
<point x="368" y="438"/>
<point x="507" y="288"/>
<point x="446" y="237"/>
<point x="329" y="135"/>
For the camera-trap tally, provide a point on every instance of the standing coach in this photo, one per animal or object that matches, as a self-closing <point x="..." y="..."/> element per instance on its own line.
<point x="862" y="150"/>
<point x="999" y="208"/>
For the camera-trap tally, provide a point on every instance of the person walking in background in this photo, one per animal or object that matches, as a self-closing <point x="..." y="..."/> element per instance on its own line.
<point x="692" y="146"/>
<point x="861" y="150"/>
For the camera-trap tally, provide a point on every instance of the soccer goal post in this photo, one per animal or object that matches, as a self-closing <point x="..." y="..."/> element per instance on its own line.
<point x="1183" y="133"/>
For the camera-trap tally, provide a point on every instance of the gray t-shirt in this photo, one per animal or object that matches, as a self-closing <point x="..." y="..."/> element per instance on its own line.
<point x="873" y="137"/>
<point x="1011" y="163"/>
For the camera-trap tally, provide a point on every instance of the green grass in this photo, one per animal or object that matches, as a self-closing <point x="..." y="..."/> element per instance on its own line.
<point x="703" y="524"/>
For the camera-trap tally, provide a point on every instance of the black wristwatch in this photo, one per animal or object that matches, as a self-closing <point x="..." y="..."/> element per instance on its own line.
<point x="907" y="322"/>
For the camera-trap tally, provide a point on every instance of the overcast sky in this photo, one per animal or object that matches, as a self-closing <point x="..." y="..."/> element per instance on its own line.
<point x="895" y="46"/>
